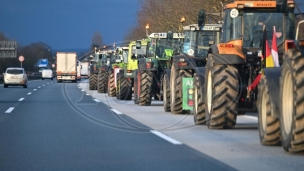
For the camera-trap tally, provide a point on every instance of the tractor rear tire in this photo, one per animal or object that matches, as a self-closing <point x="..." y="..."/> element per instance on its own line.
<point x="136" y="73"/>
<point x="125" y="92"/>
<point x="118" y="82"/>
<point x="291" y="102"/>
<point x="93" y="82"/>
<point x="221" y="95"/>
<point x="111" y="85"/>
<point x="199" y="114"/>
<point x="145" y="89"/>
<point x="176" y="84"/>
<point x="102" y="82"/>
<point x="269" y="126"/>
<point x="166" y="93"/>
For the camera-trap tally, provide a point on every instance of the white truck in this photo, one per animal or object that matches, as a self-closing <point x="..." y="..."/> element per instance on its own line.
<point x="85" y="69"/>
<point x="66" y="66"/>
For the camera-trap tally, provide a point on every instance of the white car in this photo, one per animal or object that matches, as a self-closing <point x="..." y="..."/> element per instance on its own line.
<point x="15" y="77"/>
<point x="47" y="74"/>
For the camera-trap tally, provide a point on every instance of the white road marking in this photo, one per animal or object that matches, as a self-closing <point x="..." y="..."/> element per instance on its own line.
<point x="87" y="94"/>
<point x="96" y="100"/>
<point x="161" y="135"/>
<point x="116" y="111"/>
<point x="21" y="99"/>
<point x="251" y="117"/>
<point x="82" y="90"/>
<point x="29" y="93"/>
<point x="43" y="85"/>
<point x="9" y="110"/>
<point x="39" y="87"/>
<point x="35" y="89"/>
<point x="47" y="83"/>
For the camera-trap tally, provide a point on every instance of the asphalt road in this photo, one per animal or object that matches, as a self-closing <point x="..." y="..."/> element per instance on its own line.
<point x="60" y="126"/>
<point x="238" y="148"/>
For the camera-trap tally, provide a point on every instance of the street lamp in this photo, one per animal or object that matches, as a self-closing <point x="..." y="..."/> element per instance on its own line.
<point x="182" y="20"/>
<point x="147" y="27"/>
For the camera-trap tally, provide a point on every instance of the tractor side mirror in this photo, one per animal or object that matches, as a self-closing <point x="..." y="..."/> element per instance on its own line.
<point x="138" y="44"/>
<point x="170" y="35"/>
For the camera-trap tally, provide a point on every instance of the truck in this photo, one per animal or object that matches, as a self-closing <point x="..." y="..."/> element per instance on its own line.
<point x="42" y="64"/>
<point x="160" y="49"/>
<point x="78" y="71"/>
<point x="185" y="66"/>
<point x="84" y="70"/>
<point x="66" y="66"/>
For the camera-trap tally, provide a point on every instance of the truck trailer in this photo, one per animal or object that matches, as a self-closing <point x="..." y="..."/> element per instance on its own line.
<point x="66" y="66"/>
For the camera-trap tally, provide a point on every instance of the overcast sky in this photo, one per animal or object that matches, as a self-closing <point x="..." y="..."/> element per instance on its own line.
<point x="66" y="23"/>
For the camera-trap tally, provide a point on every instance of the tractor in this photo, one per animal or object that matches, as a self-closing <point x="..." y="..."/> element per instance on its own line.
<point x="98" y="61"/>
<point x="151" y="69"/>
<point x="125" y="75"/>
<point x="177" y="81"/>
<point x="240" y="75"/>
<point x="117" y="63"/>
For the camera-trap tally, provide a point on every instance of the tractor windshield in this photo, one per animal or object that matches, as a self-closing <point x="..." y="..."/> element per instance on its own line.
<point x="167" y="47"/>
<point x="205" y="38"/>
<point x="139" y="53"/>
<point x="248" y="26"/>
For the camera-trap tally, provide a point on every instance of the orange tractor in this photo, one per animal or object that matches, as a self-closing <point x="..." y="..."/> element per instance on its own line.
<point x="235" y="66"/>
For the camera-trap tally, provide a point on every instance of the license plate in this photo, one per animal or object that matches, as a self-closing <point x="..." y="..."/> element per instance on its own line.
<point x="14" y="77"/>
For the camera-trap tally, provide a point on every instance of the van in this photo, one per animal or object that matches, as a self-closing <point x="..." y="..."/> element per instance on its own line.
<point x="47" y="74"/>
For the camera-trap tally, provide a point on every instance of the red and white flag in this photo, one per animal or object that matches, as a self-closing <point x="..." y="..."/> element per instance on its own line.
<point x="274" y="49"/>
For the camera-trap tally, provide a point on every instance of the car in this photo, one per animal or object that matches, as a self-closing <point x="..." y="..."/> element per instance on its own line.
<point x="47" y="74"/>
<point x="15" y="76"/>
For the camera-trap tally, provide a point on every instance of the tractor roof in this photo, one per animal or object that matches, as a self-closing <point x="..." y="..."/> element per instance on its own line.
<point x="255" y="4"/>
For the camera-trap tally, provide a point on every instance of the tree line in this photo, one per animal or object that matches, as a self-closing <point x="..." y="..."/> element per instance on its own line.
<point x="32" y="53"/>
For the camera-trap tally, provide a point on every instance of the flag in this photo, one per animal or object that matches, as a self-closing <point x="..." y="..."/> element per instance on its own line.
<point x="274" y="49"/>
<point x="266" y="53"/>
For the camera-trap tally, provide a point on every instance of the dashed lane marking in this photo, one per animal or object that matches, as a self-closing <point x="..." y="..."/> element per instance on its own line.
<point x="96" y="100"/>
<point x="251" y="117"/>
<point x="116" y="111"/>
<point x="165" y="137"/>
<point x="39" y="87"/>
<point x="35" y="89"/>
<point x="21" y="99"/>
<point x="29" y="93"/>
<point x="9" y="110"/>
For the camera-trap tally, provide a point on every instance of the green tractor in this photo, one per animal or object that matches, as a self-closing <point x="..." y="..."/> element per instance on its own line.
<point x="125" y="76"/>
<point x="117" y="63"/>
<point x="178" y="81"/>
<point x="103" y="74"/>
<point x="160" y="49"/>
<point x="98" y="61"/>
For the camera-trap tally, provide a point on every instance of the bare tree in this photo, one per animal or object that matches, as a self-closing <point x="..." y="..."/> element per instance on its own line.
<point x="165" y="15"/>
<point x="96" y="40"/>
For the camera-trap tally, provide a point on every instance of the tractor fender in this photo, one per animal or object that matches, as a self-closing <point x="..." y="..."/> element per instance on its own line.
<point x="201" y="71"/>
<point x="225" y="58"/>
<point x="191" y="61"/>
<point x="273" y="82"/>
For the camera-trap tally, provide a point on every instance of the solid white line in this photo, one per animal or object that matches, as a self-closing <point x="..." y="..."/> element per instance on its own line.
<point x="251" y="117"/>
<point x="29" y="93"/>
<point x="9" y="110"/>
<point x="161" y="135"/>
<point x="35" y="89"/>
<point x="96" y="100"/>
<point x="21" y="99"/>
<point x="116" y="111"/>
